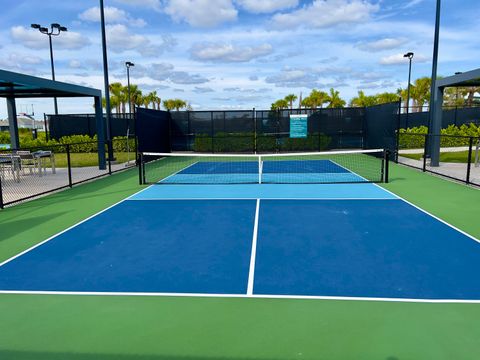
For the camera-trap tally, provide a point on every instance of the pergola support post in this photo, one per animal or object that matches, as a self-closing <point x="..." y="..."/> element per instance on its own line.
<point x="100" y="133"/>
<point x="13" y="123"/>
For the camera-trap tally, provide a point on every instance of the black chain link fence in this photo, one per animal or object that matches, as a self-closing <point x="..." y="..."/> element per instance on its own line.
<point x="31" y="172"/>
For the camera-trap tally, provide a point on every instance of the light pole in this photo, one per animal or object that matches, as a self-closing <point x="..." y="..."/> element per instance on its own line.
<point x="409" y="55"/>
<point x="108" y="111"/>
<point x="55" y="30"/>
<point x="129" y="64"/>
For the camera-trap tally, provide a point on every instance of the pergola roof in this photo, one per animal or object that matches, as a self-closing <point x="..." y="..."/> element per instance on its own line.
<point x="470" y="78"/>
<point x="25" y="86"/>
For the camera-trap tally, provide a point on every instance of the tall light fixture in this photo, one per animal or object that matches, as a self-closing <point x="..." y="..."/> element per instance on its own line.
<point x="55" y="30"/>
<point x="108" y="111"/>
<point x="409" y="56"/>
<point x="433" y="128"/>
<point x="129" y="64"/>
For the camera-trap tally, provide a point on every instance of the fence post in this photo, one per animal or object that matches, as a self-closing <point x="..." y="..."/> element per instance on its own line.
<point x="1" y="194"/>
<point x="425" y="147"/>
<point x="397" y="147"/>
<point x="254" y="113"/>
<point x="111" y="156"/>
<point x="69" y="166"/>
<point x="469" y="160"/>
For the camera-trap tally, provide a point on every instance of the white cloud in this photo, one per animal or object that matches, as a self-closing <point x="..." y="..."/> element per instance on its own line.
<point x="266" y="6"/>
<point x="120" y="39"/>
<point x="382" y="44"/>
<point x="152" y="4"/>
<point x="202" y="90"/>
<point x="165" y="71"/>
<point x="228" y="52"/>
<point x="294" y="77"/>
<point x="33" y="39"/>
<point x="326" y="13"/>
<point x="112" y="15"/>
<point x="201" y="13"/>
<point x="398" y="59"/>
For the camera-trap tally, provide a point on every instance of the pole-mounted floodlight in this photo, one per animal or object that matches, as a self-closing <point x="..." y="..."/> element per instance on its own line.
<point x="55" y="30"/>
<point x="129" y="64"/>
<point x="409" y="56"/>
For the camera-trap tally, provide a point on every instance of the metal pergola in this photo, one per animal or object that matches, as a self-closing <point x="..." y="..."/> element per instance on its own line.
<point x="466" y="79"/>
<point x="15" y="86"/>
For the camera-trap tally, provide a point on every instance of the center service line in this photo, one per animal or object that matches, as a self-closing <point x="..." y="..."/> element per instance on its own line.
<point x="251" y="273"/>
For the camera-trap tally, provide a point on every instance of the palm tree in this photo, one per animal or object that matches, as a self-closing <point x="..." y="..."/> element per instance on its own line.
<point x="290" y="99"/>
<point x="179" y="104"/>
<point x="318" y="98"/>
<point x="386" y="97"/>
<point x="363" y="100"/>
<point x="280" y="104"/>
<point x="176" y="104"/>
<point x="334" y="99"/>
<point x="116" y="90"/>
<point x="155" y="100"/>
<point x="469" y="93"/>
<point x="308" y="103"/>
<point x="420" y="92"/>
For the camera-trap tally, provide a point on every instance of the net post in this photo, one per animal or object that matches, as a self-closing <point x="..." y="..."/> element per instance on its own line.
<point x="469" y="160"/>
<point x="386" y="166"/>
<point x="259" y="169"/>
<point x="140" y="168"/>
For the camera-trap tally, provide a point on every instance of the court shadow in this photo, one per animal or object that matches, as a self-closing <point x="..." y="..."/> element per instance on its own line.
<point x="15" y="227"/>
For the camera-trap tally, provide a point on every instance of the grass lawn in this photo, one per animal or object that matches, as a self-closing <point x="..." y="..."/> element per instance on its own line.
<point x="88" y="159"/>
<point x="456" y="157"/>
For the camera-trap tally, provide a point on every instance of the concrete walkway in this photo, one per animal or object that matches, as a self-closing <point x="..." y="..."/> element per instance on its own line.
<point x="455" y="170"/>
<point x="31" y="184"/>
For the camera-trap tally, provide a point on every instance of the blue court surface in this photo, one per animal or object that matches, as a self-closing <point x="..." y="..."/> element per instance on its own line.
<point x="326" y="241"/>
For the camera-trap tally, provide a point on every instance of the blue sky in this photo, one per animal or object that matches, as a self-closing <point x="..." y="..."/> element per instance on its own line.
<point x="236" y="54"/>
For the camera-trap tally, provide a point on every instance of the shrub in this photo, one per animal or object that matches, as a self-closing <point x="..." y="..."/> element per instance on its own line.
<point x="414" y="138"/>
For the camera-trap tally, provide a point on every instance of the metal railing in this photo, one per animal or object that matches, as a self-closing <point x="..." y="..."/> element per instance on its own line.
<point x="459" y="155"/>
<point x="28" y="173"/>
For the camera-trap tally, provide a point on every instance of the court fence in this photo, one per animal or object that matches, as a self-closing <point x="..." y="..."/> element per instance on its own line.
<point x="27" y="173"/>
<point x="459" y="155"/>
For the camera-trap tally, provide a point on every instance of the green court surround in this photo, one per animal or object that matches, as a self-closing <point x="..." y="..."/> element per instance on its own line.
<point x="156" y="328"/>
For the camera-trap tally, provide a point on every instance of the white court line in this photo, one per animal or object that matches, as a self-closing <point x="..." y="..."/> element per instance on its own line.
<point x="251" y="273"/>
<point x="240" y="296"/>
<point x="70" y="228"/>
<point x="415" y="206"/>
<point x="263" y="198"/>
<point x="429" y="214"/>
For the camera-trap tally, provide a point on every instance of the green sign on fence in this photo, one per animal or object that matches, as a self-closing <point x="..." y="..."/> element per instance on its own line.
<point x="298" y="126"/>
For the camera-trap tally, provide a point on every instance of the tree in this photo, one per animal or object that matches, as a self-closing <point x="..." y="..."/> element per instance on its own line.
<point x="176" y="104"/>
<point x="420" y="92"/>
<point x="363" y="100"/>
<point x="280" y="104"/>
<point x="334" y="99"/>
<point x="290" y="99"/>
<point x="469" y="93"/>
<point x="386" y="97"/>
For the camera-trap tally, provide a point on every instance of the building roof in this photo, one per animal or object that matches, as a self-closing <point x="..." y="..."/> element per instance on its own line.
<point x="26" y="86"/>
<point x="466" y="79"/>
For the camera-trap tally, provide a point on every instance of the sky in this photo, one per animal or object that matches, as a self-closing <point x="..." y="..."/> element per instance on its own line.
<point x="237" y="54"/>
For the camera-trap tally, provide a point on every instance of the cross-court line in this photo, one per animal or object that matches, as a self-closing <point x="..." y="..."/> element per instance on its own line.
<point x="70" y="228"/>
<point x="245" y="296"/>
<point x="251" y="273"/>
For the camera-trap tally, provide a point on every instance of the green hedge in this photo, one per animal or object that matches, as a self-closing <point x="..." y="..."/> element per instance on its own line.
<point x="78" y="143"/>
<point x="414" y="138"/>
<point x="245" y="142"/>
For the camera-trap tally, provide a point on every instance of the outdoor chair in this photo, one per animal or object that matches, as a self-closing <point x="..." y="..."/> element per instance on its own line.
<point x="9" y="163"/>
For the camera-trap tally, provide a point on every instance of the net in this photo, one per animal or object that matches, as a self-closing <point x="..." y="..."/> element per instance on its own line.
<point x="355" y="166"/>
